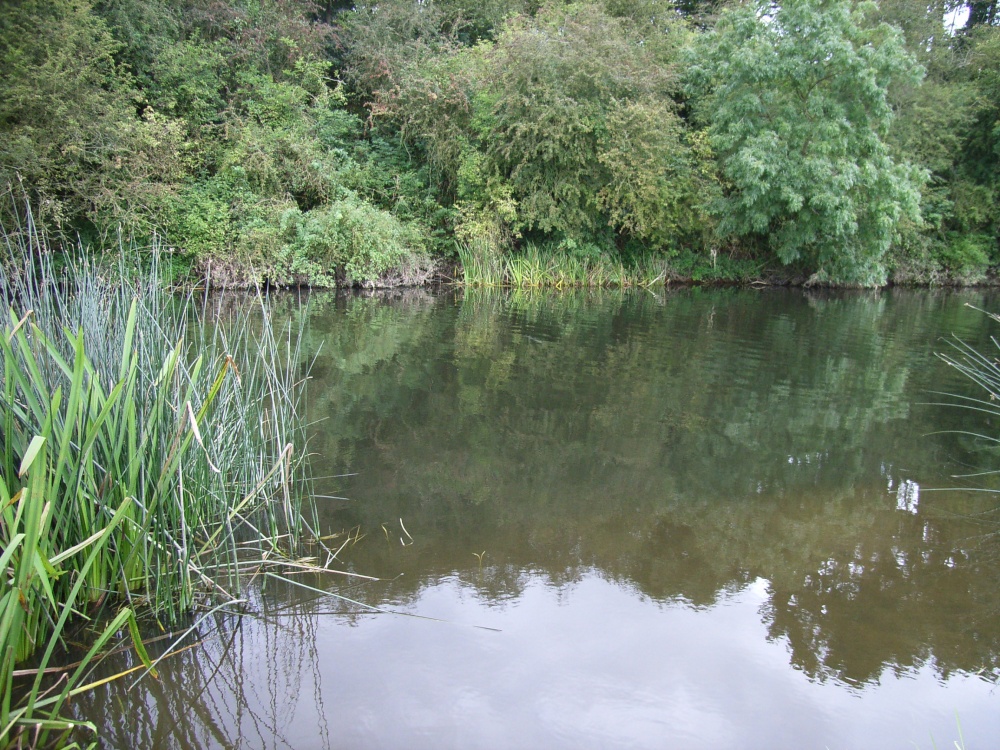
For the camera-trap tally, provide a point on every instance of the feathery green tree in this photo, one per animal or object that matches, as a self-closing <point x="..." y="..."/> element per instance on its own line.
<point x="795" y="97"/>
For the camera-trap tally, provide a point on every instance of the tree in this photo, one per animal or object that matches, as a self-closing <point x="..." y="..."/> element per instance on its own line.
<point x="795" y="97"/>
<point x="978" y="167"/>
<point x="564" y="127"/>
<point x="578" y="106"/>
<point x="69" y="133"/>
<point x="982" y="12"/>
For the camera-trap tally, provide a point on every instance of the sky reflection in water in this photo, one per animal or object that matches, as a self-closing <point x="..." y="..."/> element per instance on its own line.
<point x="595" y="664"/>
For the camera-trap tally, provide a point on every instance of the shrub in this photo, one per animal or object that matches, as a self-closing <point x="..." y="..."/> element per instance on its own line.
<point x="350" y="239"/>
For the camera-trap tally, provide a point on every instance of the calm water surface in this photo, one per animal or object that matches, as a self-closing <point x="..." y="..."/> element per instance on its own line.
<point x="694" y="518"/>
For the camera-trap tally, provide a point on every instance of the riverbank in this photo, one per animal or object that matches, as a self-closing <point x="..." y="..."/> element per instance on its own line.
<point x="532" y="268"/>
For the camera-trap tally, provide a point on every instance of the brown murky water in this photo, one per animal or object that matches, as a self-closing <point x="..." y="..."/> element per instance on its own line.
<point x="699" y="518"/>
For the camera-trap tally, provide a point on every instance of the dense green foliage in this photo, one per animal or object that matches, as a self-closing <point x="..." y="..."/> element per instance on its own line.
<point x="292" y="142"/>
<point x="797" y="110"/>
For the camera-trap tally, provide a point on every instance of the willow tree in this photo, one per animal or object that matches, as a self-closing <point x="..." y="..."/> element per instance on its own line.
<point x="580" y="121"/>
<point x="795" y="97"/>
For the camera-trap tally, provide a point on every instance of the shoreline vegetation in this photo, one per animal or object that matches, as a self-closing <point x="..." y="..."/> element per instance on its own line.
<point x="154" y="460"/>
<point x="329" y="144"/>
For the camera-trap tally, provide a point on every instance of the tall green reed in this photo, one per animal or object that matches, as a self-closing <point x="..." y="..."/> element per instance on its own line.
<point x="481" y="265"/>
<point x="534" y="267"/>
<point x="151" y="453"/>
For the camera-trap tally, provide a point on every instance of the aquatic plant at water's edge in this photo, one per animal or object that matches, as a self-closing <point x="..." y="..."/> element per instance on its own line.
<point x="151" y="453"/>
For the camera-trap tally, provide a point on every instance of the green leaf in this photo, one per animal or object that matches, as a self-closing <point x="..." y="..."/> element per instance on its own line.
<point x="140" y="648"/>
<point x="29" y="455"/>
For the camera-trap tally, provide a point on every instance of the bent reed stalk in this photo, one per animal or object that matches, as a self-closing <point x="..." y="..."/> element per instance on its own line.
<point x="150" y="449"/>
<point x="983" y="369"/>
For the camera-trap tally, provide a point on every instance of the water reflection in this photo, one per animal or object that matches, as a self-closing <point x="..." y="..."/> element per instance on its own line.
<point x="698" y="517"/>
<point x="686" y="444"/>
<point x="575" y="664"/>
<point x="253" y="682"/>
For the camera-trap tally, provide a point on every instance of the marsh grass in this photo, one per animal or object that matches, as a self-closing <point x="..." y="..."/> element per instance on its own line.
<point x="983" y="369"/>
<point x="534" y="267"/>
<point x="152" y="458"/>
<point x="481" y="265"/>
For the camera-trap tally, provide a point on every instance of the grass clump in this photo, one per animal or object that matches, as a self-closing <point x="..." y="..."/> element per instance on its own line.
<point x="151" y="454"/>
<point x="535" y="267"/>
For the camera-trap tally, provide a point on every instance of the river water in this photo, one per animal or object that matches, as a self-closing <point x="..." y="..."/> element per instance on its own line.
<point x="684" y="518"/>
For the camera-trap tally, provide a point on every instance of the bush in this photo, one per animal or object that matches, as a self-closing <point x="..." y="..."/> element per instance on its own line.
<point x="967" y="255"/>
<point x="347" y="240"/>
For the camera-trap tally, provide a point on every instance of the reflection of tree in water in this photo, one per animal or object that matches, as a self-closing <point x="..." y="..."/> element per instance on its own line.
<point x="904" y="595"/>
<point x="686" y="443"/>
<point x="243" y="687"/>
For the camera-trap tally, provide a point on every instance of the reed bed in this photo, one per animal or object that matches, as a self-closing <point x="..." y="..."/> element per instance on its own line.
<point x="532" y="267"/>
<point x="151" y="456"/>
